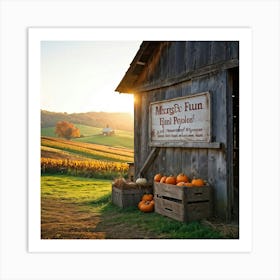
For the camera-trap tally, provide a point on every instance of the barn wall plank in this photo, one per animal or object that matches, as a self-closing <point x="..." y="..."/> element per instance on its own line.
<point x="218" y="51"/>
<point x="233" y="49"/>
<point x="180" y="58"/>
<point x="204" y="54"/>
<point x="137" y="132"/>
<point x="171" y="60"/>
<point x="203" y="163"/>
<point x="144" y="129"/>
<point x="194" y="163"/>
<point x="210" y="164"/>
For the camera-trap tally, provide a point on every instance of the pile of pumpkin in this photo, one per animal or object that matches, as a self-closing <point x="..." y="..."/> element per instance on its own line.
<point x="179" y="180"/>
<point x="147" y="203"/>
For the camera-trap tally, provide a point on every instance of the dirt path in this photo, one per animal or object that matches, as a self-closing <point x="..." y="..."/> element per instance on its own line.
<point x="61" y="219"/>
<point x="64" y="220"/>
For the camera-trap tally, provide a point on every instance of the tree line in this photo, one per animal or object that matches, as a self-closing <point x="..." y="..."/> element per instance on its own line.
<point x="121" y="121"/>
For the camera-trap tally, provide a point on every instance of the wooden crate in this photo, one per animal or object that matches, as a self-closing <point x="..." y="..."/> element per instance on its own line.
<point x="127" y="197"/>
<point x="183" y="203"/>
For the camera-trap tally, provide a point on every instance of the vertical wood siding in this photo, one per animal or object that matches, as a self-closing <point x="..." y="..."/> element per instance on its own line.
<point x="210" y="164"/>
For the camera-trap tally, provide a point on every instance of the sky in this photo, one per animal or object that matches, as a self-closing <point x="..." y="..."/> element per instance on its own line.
<point x="81" y="76"/>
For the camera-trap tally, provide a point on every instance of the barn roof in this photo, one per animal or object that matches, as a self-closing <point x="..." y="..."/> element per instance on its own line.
<point x="107" y="129"/>
<point x="207" y="57"/>
<point x="137" y="65"/>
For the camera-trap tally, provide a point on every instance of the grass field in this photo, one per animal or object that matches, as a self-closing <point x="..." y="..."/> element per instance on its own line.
<point x="114" y="140"/>
<point x="86" y="150"/>
<point x="84" y="130"/>
<point x="93" y="135"/>
<point x="81" y="208"/>
<point x="92" y="155"/>
<point x="83" y="159"/>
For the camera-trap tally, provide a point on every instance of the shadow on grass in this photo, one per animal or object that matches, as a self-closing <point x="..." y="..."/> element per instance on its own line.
<point x="130" y="223"/>
<point x="102" y="200"/>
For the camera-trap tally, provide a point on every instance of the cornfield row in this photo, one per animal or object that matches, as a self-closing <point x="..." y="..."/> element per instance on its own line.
<point x="85" y="168"/>
<point x="92" y="150"/>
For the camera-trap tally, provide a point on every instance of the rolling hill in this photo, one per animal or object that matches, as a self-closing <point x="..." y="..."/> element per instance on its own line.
<point x="93" y="154"/>
<point x="65" y="149"/>
<point x="122" y="138"/>
<point x="118" y="121"/>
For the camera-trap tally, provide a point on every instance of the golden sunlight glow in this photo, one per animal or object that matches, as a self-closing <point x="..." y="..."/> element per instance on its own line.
<point x="80" y="77"/>
<point x="126" y="103"/>
<point x="114" y="102"/>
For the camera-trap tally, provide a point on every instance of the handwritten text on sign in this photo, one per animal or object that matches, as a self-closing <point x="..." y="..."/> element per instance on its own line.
<point x="181" y="119"/>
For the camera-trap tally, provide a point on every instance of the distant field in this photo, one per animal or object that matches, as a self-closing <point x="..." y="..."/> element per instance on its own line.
<point x="92" y="155"/>
<point x="60" y="156"/>
<point x="54" y="153"/>
<point x="115" y="141"/>
<point x="93" y="135"/>
<point x="60" y="148"/>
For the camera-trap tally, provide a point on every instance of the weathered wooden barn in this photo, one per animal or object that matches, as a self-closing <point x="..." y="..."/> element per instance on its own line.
<point x="186" y="114"/>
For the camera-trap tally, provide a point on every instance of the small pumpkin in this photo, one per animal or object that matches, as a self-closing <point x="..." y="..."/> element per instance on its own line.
<point x="140" y="203"/>
<point x="198" y="182"/>
<point x="163" y="179"/>
<point x="141" y="181"/>
<point x="188" y="184"/>
<point x="171" y="180"/>
<point x="182" y="178"/>
<point x="147" y="197"/>
<point x="157" y="177"/>
<point x="180" y="184"/>
<point x="147" y="206"/>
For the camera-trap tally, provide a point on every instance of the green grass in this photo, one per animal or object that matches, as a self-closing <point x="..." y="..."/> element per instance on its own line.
<point x="48" y="131"/>
<point x="74" y="189"/>
<point x="162" y="226"/>
<point x="93" y="135"/>
<point x="94" y="196"/>
<point x="114" y="141"/>
<point x="84" y="130"/>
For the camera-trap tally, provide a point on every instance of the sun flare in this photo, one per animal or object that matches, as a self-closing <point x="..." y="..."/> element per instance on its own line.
<point x="114" y="102"/>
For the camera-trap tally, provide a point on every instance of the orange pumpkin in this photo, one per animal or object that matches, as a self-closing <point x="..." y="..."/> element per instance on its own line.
<point x="163" y="179"/>
<point x="198" y="182"/>
<point x="140" y="203"/>
<point x="157" y="177"/>
<point x="180" y="184"/>
<point x="147" y="206"/>
<point x="188" y="184"/>
<point x="171" y="180"/>
<point x="182" y="178"/>
<point x="147" y="197"/>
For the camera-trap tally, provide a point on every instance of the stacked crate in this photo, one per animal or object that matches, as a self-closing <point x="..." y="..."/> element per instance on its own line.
<point x="183" y="203"/>
<point x="129" y="194"/>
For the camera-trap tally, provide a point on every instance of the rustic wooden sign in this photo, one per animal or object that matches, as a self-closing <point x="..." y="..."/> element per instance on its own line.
<point x="184" y="119"/>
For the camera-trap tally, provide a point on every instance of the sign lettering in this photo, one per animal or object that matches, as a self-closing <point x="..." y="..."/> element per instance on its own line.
<point x="181" y="119"/>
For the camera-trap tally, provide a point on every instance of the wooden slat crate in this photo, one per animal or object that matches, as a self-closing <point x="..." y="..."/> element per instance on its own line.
<point x="183" y="203"/>
<point x="127" y="197"/>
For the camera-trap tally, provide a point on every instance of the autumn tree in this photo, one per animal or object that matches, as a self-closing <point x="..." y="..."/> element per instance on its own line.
<point x="67" y="130"/>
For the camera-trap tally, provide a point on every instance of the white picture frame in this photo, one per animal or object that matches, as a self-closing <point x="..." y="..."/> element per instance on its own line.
<point x="23" y="256"/>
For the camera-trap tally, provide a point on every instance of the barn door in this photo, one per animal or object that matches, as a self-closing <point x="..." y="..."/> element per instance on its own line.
<point x="233" y="135"/>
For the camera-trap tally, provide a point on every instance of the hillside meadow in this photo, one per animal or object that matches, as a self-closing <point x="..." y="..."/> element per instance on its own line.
<point x="122" y="138"/>
<point x="60" y="156"/>
<point x="121" y="121"/>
